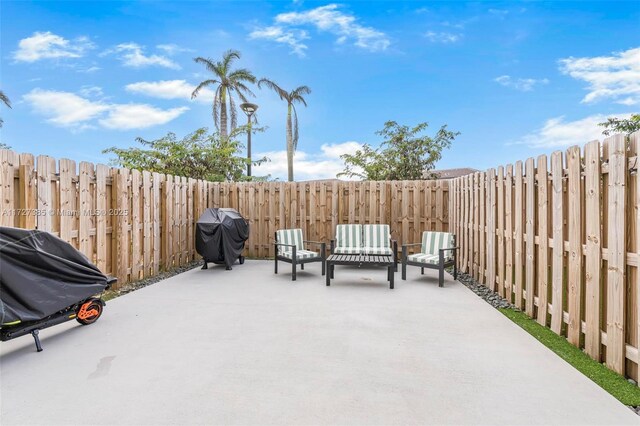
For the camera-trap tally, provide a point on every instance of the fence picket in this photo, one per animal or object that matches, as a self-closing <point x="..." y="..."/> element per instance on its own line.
<point x="557" y="263"/>
<point x="543" y="238"/>
<point x="593" y="250"/>
<point x="616" y="255"/>
<point x="575" y="246"/>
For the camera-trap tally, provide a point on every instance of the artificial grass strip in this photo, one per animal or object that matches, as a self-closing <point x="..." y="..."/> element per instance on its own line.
<point x="608" y="380"/>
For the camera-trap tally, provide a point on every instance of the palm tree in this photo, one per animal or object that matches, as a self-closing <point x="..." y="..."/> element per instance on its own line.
<point x="292" y="97"/>
<point x="6" y="101"/>
<point x="228" y="81"/>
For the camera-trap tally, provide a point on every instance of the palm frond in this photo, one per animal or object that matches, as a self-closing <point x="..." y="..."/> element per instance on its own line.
<point x="215" y="109"/>
<point x="214" y="67"/>
<point x="242" y="74"/>
<point x="5" y="99"/>
<point x="273" y="86"/>
<point x="202" y="85"/>
<point x="297" y="94"/>
<point x="240" y="89"/>
<point x="227" y="59"/>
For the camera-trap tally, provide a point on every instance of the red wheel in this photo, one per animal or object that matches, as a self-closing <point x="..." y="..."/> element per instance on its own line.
<point x="89" y="312"/>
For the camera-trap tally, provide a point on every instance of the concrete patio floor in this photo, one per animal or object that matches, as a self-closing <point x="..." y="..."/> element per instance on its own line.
<point x="251" y="347"/>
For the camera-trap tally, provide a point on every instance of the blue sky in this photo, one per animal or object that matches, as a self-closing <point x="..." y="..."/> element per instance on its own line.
<point x="518" y="79"/>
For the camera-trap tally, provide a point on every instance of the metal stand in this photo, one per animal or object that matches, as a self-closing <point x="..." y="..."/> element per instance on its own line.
<point x="35" y="333"/>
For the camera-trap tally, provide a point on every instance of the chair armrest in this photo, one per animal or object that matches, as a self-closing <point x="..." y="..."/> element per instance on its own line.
<point x="284" y="245"/>
<point x="450" y="248"/>
<point x="332" y="246"/>
<point x="412" y="245"/>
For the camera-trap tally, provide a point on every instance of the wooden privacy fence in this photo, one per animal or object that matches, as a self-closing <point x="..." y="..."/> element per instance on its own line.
<point x="560" y="240"/>
<point x="133" y="224"/>
<point x="409" y="207"/>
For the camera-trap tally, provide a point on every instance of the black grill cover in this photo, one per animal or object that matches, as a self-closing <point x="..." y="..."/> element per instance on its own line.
<point x="40" y="274"/>
<point x="220" y="235"/>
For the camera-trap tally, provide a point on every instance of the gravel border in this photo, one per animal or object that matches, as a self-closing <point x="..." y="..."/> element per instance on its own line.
<point x="136" y="285"/>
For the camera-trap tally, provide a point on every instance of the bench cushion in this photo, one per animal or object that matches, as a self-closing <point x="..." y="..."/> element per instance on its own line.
<point x="377" y="236"/>
<point x="347" y="250"/>
<point x="348" y="237"/>
<point x="289" y="236"/>
<point x="387" y="251"/>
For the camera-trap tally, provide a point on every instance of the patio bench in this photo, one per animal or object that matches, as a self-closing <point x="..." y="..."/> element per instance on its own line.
<point x="289" y="247"/>
<point x="437" y="251"/>
<point x="365" y="239"/>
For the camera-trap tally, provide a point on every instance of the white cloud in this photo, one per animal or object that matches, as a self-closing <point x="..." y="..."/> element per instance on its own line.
<point x="89" y="91"/>
<point x="556" y="132"/>
<point x="615" y="77"/>
<point x="46" y="45"/>
<point x="325" y="164"/>
<point x="139" y="116"/>
<point x="90" y="69"/>
<point x="291" y="37"/>
<point x="324" y="18"/>
<point x="69" y="110"/>
<point x="132" y="55"/>
<point x="172" y="48"/>
<point x="442" y="37"/>
<point x="170" y="89"/>
<point x="64" y="109"/>
<point x="522" y="84"/>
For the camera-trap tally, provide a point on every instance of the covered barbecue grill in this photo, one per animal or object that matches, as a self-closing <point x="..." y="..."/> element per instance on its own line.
<point x="220" y="236"/>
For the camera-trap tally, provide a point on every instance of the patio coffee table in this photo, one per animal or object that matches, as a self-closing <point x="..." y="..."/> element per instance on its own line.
<point x="359" y="260"/>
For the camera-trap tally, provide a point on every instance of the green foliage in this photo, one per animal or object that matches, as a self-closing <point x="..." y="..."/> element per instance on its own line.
<point x="199" y="155"/>
<point x="607" y="379"/>
<point x="404" y="154"/>
<point x="5" y="100"/>
<point x="615" y="125"/>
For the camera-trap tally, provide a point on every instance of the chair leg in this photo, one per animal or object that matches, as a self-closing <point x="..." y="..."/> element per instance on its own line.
<point x="302" y="266"/>
<point x="293" y="270"/>
<point x="276" y="264"/>
<point x="422" y="272"/>
<point x="441" y="276"/>
<point x="455" y="272"/>
<point x="404" y="269"/>
<point x="324" y="267"/>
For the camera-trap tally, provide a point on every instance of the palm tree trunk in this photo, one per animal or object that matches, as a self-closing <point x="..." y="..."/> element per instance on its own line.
<point x="289" y="146"/>
<point x="223" y="113"/>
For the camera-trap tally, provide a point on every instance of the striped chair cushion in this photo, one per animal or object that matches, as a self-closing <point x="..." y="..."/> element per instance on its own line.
<point x="387" y="251"/>
<point x="300" y="254"/>
<point x="347" y="250"/>
<point x="289" y="236"/>
<point x="424" y="258"/>
<point x="434" y="241"/>
<point x="348" y="238"/>
<point x="377" y="236"/>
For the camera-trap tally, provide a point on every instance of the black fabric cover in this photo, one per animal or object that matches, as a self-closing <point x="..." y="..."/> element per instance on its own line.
<point x="40" y="274"/>
<point x="220" y="235"/>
